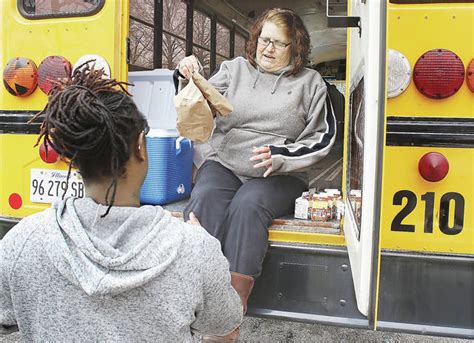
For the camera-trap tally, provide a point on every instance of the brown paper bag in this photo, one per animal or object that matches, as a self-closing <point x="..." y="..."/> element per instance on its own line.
<point x="216" y="100"/>
<point x="195" y="120"/>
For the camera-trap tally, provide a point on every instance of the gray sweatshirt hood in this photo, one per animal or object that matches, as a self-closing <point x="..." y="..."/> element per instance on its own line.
<point x="281" y="72"/>
<point x="111" y="255"/>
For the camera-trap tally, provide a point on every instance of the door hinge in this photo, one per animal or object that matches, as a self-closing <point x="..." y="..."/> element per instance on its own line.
<point x="127" y="57"/>
<point x="343" y="21"/>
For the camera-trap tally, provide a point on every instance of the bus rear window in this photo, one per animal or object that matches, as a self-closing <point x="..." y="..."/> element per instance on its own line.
<point x="40" y="9"/>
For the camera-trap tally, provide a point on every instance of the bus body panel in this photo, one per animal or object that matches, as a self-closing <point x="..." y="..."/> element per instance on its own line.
<point x="432" y="26"/>
<point x="103" y="34"/>
<point x="427" y="228"/>
<point x="415" y="223"/>
<point x="416" y="29"/>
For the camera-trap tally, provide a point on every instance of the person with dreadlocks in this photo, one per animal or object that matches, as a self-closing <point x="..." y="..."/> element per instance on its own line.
<point x="102" y="268"/>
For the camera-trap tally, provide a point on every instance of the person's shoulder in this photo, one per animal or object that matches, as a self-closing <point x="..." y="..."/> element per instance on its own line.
<point x="196" y="238"/>
<point x="27" y="229"/>
<point x="29" y="225"/>
<point x="309" y="73"/>
<point x="193" y="233"/>
<point x="237" y="61"/>
<point x="236" y="64"/>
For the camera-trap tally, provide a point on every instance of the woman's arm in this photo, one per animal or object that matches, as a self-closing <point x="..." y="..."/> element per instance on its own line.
<point x="314" y="142"/>
<point x="221" y="311"/>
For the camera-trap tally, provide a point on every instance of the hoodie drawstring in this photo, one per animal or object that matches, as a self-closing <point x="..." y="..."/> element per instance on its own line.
<point x="259" y="70"/>
<point x="278" y="79"/>
<point x="256" y="77"/>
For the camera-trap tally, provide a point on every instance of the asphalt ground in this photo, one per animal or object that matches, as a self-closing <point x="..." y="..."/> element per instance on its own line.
<point x="278" y="331"/>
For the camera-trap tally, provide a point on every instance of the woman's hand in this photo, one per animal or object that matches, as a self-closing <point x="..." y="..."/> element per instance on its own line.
<point x="263" y="154"/>
<point x="193" y="220"/>
<point x="188" y="65"/>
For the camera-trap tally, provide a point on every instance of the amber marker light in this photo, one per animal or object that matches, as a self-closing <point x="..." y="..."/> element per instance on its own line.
<point x="20" y="76"/>
<point x="470" y="75"/>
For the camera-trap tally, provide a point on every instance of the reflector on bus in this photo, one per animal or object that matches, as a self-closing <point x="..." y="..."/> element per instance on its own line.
<point x="399" y="73"/>
<point x="98" y="61"/>
<point x="433" y="166"/>
<point x="438" y="73"/>
<point x="47" y="153"/>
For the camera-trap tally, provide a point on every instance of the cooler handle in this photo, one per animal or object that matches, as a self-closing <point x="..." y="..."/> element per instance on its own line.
<point x="182" y="143"/>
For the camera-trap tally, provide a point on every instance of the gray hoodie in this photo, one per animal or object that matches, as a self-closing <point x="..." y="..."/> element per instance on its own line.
<point x="136" y="275"/>
<point x="290" y="114"/>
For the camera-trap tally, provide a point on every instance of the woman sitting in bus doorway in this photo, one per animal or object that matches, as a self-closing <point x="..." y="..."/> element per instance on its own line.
<point x="102" y="268"/>
<point x="254" y="168"/>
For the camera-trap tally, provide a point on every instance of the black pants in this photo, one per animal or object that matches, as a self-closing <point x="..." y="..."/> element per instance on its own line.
<point x="239" y="214"/>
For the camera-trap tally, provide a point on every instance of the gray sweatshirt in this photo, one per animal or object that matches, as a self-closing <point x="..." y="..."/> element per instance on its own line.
<point x="136" y="275"/>
<point x="290" y="114"/>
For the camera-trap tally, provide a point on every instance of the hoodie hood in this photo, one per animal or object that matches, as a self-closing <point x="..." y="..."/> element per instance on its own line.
<point x="111" y="255"/>
<point x="281" y="72"/>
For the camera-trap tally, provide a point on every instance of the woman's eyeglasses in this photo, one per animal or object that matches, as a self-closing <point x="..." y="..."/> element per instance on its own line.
<point x="264" y="41"/>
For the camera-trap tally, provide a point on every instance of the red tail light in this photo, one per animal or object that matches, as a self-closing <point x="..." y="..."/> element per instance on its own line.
<point x="51" y="69"/>
<point x="470" y="76"/>
<point x="51" y="157"/>
<point x="433" y="167"/>
<point x="438" y="73"/>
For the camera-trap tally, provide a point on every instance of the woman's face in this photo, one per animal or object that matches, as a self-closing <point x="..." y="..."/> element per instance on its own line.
<point x="273" y="48"/>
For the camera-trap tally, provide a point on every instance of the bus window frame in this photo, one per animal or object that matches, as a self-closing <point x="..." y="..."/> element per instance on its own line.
<point x="21" y="9"/>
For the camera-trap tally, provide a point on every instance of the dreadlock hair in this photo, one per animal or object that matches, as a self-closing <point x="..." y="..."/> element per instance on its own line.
<point x="91" y="121"/>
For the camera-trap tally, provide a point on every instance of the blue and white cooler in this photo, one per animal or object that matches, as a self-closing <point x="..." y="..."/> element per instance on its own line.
<point x="170" y="157"/>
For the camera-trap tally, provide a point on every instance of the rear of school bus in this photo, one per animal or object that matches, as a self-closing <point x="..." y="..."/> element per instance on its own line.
<point x="404" y="259"/>
<point x="427" y="227"/>
<point x="40" y="40"/>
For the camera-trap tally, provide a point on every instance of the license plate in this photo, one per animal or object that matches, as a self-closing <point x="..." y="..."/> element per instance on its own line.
<point x="47" y="185"/>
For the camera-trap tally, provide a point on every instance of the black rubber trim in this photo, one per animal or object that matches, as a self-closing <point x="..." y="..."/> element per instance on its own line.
<point x="375" y="263"/>
<point x="433" y="132"/>
<point x="90" y="13"/>
<point x="6" y="224"/>
<point x="17" y="122"/>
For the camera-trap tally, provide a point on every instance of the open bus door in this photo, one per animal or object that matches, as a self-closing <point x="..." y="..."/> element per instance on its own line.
<point x="364" y="146"/>
<point x="33" y="31"/>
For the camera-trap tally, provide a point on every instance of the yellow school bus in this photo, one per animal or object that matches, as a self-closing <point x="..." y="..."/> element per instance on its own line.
<point x="402" y="256"/>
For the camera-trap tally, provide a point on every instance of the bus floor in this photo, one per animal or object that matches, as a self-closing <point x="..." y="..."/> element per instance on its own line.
<point x="286" y="224"/>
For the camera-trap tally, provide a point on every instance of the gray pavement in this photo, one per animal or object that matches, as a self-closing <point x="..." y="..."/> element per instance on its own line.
<point x="266" y="331"/>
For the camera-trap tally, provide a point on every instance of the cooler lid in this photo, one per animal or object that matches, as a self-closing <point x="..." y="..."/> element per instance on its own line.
<point x="153" y="92"/>
<point x="163" y="133"/>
